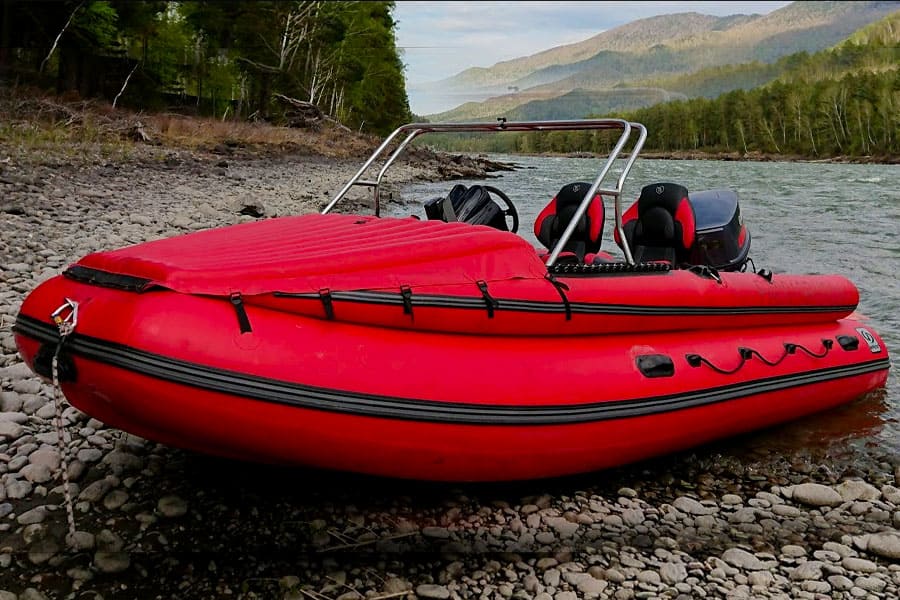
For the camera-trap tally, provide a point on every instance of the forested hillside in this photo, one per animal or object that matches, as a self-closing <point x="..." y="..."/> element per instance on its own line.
<point x="238" y="59"/>
<point x="653" y="53"/>
<point x="844" y="101"/>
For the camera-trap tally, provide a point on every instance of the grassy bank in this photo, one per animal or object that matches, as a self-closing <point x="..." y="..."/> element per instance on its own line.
<point x="32" y="120"/>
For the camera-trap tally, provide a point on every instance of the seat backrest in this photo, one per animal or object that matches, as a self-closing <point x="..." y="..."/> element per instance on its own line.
<point x="556" y="216"/>
<point x="660" y="225"/>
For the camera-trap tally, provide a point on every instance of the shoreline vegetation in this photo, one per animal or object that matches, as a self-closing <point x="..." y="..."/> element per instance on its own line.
<point x="752" y="156"/>
<point x="33" y="120"/>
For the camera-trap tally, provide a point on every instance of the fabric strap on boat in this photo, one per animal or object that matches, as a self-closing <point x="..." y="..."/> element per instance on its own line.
<point x="489" y="300"/>
<point x="327" y="304"/>
<point x="561" y="289"/>
<point x="107" y="279"/>
<point x="406" y="294"/>
<point x="241" y="311"/>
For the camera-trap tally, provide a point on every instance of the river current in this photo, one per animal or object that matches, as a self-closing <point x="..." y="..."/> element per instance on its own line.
<point x="803" y="218"/>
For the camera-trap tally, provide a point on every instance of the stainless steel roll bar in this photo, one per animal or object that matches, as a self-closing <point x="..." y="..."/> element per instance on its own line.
<point x="414" y="130"/>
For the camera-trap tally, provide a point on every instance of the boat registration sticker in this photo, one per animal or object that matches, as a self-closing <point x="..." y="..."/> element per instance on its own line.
<point x="874" y="346"/>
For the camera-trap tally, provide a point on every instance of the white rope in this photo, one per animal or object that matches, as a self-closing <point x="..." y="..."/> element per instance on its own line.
<point x="66" y="318"/>
<point x="58" y="398"/>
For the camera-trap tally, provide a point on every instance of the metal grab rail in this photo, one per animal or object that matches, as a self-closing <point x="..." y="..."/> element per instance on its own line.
<point x="414" y="130"/>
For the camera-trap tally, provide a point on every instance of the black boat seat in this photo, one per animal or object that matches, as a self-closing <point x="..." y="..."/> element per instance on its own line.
<point x="661" y="225"/>
<point x="556" y="216"/>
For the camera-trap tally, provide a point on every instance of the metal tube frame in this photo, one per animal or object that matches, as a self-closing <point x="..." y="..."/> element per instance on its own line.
<point x="414" y="130"/>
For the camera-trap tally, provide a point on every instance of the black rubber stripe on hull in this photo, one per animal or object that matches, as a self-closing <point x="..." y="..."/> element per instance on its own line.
<point x="370" y="405"/>
<point x="438" y="301"/>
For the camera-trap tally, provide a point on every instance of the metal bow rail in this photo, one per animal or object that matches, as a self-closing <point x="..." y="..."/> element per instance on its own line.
<point x="413" y="130"/>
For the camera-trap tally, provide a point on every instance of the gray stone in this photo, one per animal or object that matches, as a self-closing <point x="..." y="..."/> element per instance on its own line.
<point x="591" y="586"/>
<point x="793" y="551"/>
<point x="615" y="576"/>
<point x="16" y="490"/>
<point x="37" y="473"/>
<point x="627" y="492"/>
<point x="10" y="402"/>
<point x="14" y="417"/>
<point x="815" y="494"/>
<point x="786" y="510"/>
<point x="857" y="490"/>
<point x="107" y="541"/>
<point x="35" y="515"/>
<point x="840" y="583"/>
<point x="123" y="461"/>
<point x="140" y="220"/>
<point x="32" y="594"/>
<point x="649" y="577"/>
<point x="886" y="545"/>
<point x="691" y="506"/>
<point x="545" y="537"/>
<point x="761" y="578"/>
<point x="95" y="491"/>
<point x="743" y="560"/>
<point x="395" y="585"/>
<point x="89" y="455"/>
<point x="870" y="584"/>
<point x="46" y="456"/>
<point x="10" y="430"/>
<point x="731" y="499"/>
<point x="82" y="540"/>
<point x="532" y="584"/>
<point x="672" y="573"/>
<point x="551" y="578"/>
<point x="111" y="562"/>
<point x="827" y="556"/>
<point x="79" y="574"/>
<point x="115" y="499"/>
<point x="860" y="565"/>
<point x="6" y="595"/>
<point x="173" y="506"/>
<point x="816" y="587"/>
<point x="840" y="549"/>
<point x="562" y="527"/>
<point x="632" y="516"/>
<point x="811" y="569"/>
<point x="15" y="371"/>
<point x="42" y="550"/>
<point x="427" y="590"/>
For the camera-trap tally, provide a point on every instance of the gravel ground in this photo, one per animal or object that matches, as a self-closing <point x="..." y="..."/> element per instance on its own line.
<point x="156" y="522"/>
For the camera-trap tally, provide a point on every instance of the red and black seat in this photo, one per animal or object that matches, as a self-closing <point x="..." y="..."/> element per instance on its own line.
<point x="661" y="225"/>
<point x="556" y="216"/>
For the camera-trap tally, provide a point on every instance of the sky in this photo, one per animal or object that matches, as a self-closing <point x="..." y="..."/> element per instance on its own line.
<point x="440" y="39"/>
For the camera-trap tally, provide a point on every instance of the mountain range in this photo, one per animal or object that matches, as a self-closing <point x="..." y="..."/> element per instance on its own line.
<point x="652" y="60"/>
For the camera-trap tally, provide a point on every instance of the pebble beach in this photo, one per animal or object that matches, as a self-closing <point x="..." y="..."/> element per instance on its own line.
<point x="157" y="522"/>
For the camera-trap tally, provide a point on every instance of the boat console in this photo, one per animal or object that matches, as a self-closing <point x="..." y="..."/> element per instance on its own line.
<point x="474" y="205"/>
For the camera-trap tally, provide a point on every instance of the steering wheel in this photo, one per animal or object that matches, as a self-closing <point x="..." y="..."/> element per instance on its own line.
<point x="510" y="211"/>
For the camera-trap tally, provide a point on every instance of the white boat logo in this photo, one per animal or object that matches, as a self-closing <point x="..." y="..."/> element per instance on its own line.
<point x="660" y="189"/>
<point x="874" y="346"/>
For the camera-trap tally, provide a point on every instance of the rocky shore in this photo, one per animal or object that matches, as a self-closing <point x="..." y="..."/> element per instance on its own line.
<point x="156" y="522"/>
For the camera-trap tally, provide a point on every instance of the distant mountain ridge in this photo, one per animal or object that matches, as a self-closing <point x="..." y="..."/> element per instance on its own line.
<point x="682" y="44"/>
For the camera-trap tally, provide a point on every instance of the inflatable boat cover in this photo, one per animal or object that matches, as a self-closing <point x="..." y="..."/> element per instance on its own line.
<point x="313" y="252"/>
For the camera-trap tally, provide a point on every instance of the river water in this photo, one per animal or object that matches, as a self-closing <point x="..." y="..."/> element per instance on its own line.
<point x="803" y="218"/>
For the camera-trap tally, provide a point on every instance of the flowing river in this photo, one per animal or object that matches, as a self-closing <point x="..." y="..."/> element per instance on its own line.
<point x="803" y="218"/>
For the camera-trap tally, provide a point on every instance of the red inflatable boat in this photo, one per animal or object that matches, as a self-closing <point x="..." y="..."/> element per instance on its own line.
<point x="450" y="348"/>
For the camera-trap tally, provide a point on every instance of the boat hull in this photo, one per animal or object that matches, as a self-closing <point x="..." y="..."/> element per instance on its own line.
<point x="177" y="368"/>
